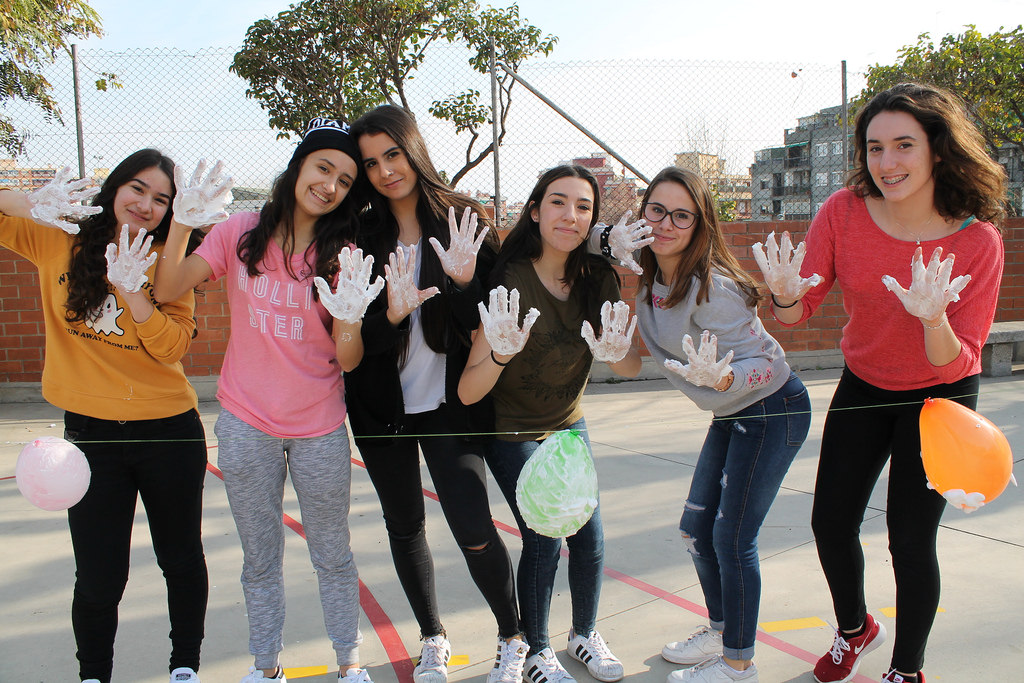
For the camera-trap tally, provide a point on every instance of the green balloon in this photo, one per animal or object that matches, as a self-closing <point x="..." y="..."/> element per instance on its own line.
<point x="557" y="488"/>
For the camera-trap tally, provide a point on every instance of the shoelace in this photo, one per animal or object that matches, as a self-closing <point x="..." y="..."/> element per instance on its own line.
<point x="551" y="668"/>
<point x="512" y="667"/>
<point x="837" y="648"/>
<point x="597" y="646"/>
<point x="699" y="634"/>
<point x="430" y="656"/>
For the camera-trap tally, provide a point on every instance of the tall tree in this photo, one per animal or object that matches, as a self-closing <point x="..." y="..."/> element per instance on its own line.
<point x="32" y="32"/>
<point x="345" y="56"/>
<point x="986" y="71"/>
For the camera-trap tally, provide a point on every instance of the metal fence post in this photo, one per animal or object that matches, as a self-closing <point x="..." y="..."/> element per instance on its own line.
<point x="494" y="138"/>
<point x="78" y="111"/>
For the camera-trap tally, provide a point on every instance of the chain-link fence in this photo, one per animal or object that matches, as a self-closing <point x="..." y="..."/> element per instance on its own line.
<point x="769" y="136"/>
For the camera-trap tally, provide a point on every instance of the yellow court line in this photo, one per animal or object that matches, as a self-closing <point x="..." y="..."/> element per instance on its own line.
<point x="891" y="611"/>
<point x="791" y="624"/>
<point x="304" y="671"/>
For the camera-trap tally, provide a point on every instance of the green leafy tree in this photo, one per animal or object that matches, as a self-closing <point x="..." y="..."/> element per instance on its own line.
<point x="986" y="71"/>
<point x="343" y="57"/>
<point x="32" y="32"/>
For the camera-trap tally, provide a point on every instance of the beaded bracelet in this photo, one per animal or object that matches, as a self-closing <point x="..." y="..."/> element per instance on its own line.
<point x="942" y="322"/>
<point x="606" y="250"/>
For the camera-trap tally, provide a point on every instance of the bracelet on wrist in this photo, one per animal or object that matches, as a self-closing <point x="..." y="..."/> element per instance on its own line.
<point x="498" y="362"/>
<point x="776" y="303"/>
<point x="942" y="321"/>
<point x="732" y="378"/>
<point x="606" y="250"/>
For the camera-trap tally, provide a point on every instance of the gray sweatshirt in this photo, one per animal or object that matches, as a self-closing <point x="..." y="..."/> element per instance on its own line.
<point x="759" y="363"/>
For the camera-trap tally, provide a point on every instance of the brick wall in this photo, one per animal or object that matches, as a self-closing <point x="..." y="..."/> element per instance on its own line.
<point x="21" y="323"/>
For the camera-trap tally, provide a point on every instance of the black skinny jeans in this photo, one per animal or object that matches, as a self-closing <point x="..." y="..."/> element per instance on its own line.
<point x="129" y="460"/>
<point x="866" y="426"/>
<point x="459" y="476"/>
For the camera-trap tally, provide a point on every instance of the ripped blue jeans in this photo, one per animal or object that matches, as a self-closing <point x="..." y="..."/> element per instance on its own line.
<point x="742" y="464"/>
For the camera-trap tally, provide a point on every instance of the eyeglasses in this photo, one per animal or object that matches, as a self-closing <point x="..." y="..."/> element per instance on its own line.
<point x="681" y="218"/>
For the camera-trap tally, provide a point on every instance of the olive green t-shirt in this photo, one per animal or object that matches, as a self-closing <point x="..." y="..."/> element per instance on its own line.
<point x="540" y="390"/>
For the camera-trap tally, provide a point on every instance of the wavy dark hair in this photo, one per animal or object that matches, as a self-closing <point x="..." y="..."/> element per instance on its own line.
<point x="378" y="234"/>
<point x="87" y="272"/>
<point x="706" y="252"/>
<point x="583" y="271"/>
<point x="967" y="181"/>
<point x="331" y="232"/>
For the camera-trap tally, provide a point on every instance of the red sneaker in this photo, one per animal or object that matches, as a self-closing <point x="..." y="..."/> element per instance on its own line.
<point x="893" y="677"/>
<point x="841" y="662"/>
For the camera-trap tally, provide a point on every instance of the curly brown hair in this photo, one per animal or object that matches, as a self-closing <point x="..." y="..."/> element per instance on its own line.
<point x="967" y="181"/>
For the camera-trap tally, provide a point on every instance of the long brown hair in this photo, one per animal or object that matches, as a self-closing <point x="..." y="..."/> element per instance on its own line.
<point x="87" y="271"/>
<point x="331" y="232"/>
<point x="582" y="270"/>
<point x="378" y="230"/>
<point x="706" y="252"/>
<point x="967" y="181"/>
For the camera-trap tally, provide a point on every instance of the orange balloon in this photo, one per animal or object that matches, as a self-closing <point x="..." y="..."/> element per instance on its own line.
<point x="964" y="451"/>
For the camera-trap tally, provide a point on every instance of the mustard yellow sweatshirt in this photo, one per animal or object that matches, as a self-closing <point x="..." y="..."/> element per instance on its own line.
<point x="111" y="367"/>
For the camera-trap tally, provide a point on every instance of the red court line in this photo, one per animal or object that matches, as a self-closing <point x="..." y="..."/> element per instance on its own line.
<point x="382" y="626"/>
<point x="671" y="598"/>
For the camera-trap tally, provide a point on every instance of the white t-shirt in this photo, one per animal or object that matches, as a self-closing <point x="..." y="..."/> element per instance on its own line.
<point x="423" y="373"/>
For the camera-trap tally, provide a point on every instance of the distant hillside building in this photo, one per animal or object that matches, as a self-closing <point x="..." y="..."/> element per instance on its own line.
<point x="618" y="192"/>
<point x="732" y="187"/>
<point x="793" y="181"/>
<point x="23" y="179"/>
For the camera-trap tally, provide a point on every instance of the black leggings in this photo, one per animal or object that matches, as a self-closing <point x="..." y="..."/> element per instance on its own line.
<point x="129" y="460"/>
<point x="457" y="469"/>
<point x="866" y="426"/>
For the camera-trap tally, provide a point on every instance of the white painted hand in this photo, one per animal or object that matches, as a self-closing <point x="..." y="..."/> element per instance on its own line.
<point x="61" y="199"/>
<point x="930" y="288"/>
<point x="781" y="267"/>
<point x="127" y="265"/>
<point x="202" y="201"/>
<point x="615" y="338"/>
<point x="355" y="292"/>
<point x="501" y="321"/>
<point x="459" y="260"/>
<point x="404" y="296"/>
<point x="703" y="369"/>
<point x="625" y="239"/>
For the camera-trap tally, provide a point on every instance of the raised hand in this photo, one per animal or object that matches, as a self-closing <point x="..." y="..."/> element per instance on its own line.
<point x="127" y="265"/>
<point x="500" y="321"/>
<point x="626" y="238"/>
<point x="780" y="266"/>
<point x="355" y="292"/>
<point x="202" y="201"/>
<point x="61" y="199"/>
<point x="404" y="296"/>
<point x="615" y="338"/>
<point x="459" y="260"/>
<point x="931" y="290"/>
<point x="703" y="369"/>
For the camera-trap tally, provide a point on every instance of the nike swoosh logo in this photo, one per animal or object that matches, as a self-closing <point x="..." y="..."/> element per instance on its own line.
<point x="857" y="650"/>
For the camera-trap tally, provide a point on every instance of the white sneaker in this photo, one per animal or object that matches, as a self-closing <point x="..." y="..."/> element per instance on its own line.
<point x="91" y="680"/>
<point x="355" y="675"/>
<point x="183" y="674"/>
<point x="713" y="670"/>
<point x="544" y="667"/>
<point x="592" y="651"/>
<point x="257" y="675"/>
<point x="434" y="656"/>
<point x="508" y="665"/>
<point x="704" y="643"/>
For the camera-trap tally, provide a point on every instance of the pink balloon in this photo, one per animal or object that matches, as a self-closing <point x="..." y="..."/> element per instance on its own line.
<point x="52" y="473"/>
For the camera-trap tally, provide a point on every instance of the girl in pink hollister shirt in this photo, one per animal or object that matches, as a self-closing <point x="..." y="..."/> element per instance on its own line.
<point x="281" y="391"/>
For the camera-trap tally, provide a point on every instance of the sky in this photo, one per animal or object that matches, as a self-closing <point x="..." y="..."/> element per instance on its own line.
<point x="863" y="33"/>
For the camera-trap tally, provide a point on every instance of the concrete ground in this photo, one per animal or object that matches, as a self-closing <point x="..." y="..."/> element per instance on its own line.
<point x="646" y="437"/>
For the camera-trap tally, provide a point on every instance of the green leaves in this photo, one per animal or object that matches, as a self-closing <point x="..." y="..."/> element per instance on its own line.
<point x="986" y="71"/>
<point x="343" y="57"/>
<point x="32" y="32"/>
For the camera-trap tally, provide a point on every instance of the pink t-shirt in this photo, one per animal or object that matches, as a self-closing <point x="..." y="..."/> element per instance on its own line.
<point x="882" y="343"/>
<point x="280" y="372"/>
